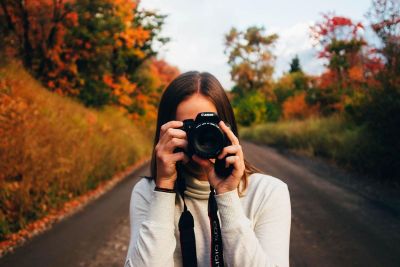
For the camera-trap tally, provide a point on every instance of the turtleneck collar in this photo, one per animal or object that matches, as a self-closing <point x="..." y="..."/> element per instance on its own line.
<point x="199" y="189"/>
<point x="196" y="188"/>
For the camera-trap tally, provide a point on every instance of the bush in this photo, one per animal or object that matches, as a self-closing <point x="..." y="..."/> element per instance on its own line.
<point x="250" y="109"/>
<point x="351" y="145"/>
<point x="380" y="115"/>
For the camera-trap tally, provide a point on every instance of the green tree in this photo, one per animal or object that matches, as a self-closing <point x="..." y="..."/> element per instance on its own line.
<point x="250" y="109"/>
<point x="295" y="65"/>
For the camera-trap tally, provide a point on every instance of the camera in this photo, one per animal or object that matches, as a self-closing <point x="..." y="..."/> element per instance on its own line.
<point x="207" y="140"/>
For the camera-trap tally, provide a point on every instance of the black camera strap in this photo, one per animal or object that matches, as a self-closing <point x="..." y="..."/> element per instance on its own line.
<point x="216" y="255"/>
<point x="187" y="236"/>
<point x="186" y="230"/>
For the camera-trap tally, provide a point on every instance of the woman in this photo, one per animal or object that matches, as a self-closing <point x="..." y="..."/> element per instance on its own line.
<point x="184" y="214"/>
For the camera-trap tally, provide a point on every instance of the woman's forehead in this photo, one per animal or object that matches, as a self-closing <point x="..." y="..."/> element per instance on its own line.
<point x="190" y="107"/>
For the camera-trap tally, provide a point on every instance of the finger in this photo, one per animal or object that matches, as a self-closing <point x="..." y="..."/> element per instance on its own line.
<point x="186" y="159"/>
<point x="229" y="133"/>
<point x="172" y="133"/>
<point x="179" y="156"/>
<point x="233" y="149"/>
<point x="232" y="160"/>
<point x="205" y="163"/>
<point x="170" y="124"/>
<point x="174" y="143"/>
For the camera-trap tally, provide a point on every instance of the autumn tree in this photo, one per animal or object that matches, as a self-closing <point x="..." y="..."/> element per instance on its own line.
<point x="292" y="93"/>
<point x="32" y="29"/>
<point x="152" y="78"/>
<point x="379" y="112"/>
<point x="89" y="49"/>
<point x="109" y="42"/>
<point x="252" y="65"/>
<point x="351" y="62"/>
<point x="384" y="16"/>
<point x="341" y="41"/>
<point x="296" y="107"/>
<point x="250" y="58"/>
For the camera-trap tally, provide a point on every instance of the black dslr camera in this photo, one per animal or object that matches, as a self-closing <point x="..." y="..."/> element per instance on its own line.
<point x="207" y="140"/>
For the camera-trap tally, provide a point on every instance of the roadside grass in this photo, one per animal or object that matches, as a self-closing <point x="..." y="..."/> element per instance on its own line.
<point x="53" y="149"/>
<point x="330" y="137"/>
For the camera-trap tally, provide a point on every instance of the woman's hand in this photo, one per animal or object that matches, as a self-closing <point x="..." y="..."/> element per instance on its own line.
<point x="230" y="183"/>
<point x="170" y="139"/>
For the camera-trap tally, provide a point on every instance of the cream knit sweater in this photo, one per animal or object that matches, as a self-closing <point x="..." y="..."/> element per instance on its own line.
<point x="255" y="228"/>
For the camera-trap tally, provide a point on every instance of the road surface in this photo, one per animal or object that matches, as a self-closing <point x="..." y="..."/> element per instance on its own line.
<point x="332" y="224"/>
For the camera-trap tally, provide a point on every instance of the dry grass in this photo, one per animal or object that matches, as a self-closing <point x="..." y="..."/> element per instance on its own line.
<point x="53" y="149"/>
<point x="330" y="137"/>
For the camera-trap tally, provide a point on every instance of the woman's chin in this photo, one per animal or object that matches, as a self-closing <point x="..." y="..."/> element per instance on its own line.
<point x="192" y="167"/>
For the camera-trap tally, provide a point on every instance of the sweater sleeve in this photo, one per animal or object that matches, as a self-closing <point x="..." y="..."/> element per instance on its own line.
<point x="268" y="243"/>
<point x="152" y="239"/>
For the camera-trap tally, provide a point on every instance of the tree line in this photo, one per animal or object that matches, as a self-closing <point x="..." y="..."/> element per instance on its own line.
<point x="100" y="52"/>
<point x="360" y="82"/>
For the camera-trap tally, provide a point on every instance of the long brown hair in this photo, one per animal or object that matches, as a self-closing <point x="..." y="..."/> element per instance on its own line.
<point x="182" y="87"/>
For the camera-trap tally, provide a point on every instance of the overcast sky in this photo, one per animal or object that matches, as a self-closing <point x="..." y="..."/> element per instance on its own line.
<point x="197" y="29"/>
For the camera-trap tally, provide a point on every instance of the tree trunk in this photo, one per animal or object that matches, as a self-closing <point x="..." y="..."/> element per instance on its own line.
<point x="27" y="47"/>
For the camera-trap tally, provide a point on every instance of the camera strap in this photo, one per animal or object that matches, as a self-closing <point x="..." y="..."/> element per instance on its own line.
<point x="186" y="231"/>
<point x="187" y="236"/>
<point x="216" y="255"/>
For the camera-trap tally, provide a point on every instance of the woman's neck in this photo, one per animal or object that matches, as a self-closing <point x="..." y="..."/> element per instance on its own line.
<point x="202" y="177"/>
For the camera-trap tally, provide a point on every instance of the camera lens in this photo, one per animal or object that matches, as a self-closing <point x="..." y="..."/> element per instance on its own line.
<point x="208" y="140"/>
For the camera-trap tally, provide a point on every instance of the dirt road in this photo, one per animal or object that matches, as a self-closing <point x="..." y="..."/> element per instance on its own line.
<point x="332" y="224"/>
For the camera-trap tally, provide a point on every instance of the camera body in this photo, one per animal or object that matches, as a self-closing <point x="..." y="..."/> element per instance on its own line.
<point x="207" y="140"/>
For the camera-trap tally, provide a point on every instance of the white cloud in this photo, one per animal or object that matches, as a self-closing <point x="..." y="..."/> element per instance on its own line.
<point x="197" y="30"/>
<point x="295" y="40"/>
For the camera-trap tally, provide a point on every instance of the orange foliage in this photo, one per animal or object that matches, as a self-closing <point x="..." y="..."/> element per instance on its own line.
<point x="165" y="72"/>
<point x="295" y="107"/>
<point x="356" y="73"/>
<point x="143" y="98"/>
<point x="122" y="88"/>
<point x="54" y="51"/>
<point x="133" y="38"/>
<point x="40" y="134"/>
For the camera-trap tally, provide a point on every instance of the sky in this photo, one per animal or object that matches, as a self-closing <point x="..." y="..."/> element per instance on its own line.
<point x="197" y="29"/>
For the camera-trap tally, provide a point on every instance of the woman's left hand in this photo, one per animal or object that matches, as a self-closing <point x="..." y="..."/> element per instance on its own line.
<point x="222" y="185"/>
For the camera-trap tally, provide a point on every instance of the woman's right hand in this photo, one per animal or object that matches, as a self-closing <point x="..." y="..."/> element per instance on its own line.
<point x="170" y="138"/>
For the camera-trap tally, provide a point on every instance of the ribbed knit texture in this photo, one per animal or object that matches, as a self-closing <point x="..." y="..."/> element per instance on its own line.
<point x="196" y="188"/>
